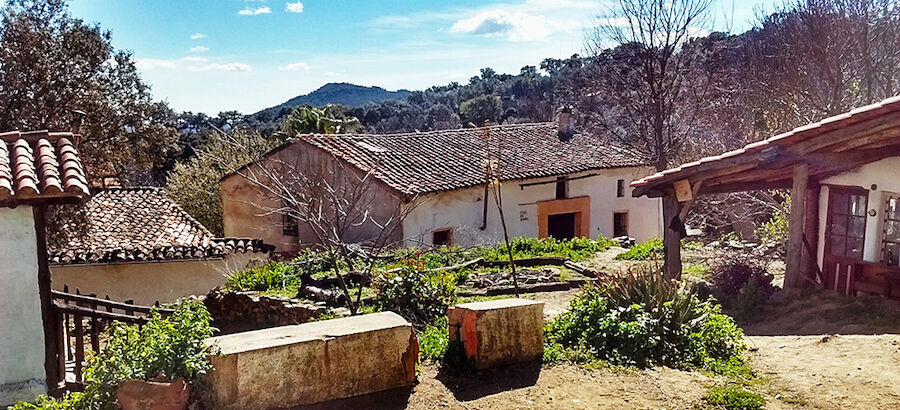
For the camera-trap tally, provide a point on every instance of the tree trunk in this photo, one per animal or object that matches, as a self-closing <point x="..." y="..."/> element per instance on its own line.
<point x="792" y="273"/>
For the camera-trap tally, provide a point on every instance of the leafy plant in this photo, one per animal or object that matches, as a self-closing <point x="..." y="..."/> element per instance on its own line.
<point x="434" y="339"/>
<point x="734" y="398"/>
<point x="644" y="319"/>
<point x="418" y="295"/>
<point x="275" y="275"/>
<point x="576" y="249"/>
<point x="643" y="251"/>
<point x="775" y="230"/>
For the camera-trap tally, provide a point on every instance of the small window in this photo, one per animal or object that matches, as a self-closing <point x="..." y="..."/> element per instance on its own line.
<point x="442" y="237"/>
<point x="890" y="238"/>
<point x="620" y="188"/>
<point x="562" y="188"/>
<point x="288" y="222"/>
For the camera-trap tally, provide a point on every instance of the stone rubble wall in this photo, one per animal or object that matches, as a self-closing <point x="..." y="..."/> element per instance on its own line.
<point x="243" y="311"/>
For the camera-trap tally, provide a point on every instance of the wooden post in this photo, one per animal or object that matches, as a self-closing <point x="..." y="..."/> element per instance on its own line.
<point x="792" y="272"/>
<point x="809" y="261"/>
<point x="51" y="331"/>
<point x="671" y="237"/>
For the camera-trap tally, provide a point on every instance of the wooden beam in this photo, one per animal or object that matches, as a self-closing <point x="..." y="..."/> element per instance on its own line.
<point x="671" y="238"/>
<point x="695" y="190"/>
<point x="809" y="263"/>
<point x="48" y="316"/>
<point x="793" y="276"/>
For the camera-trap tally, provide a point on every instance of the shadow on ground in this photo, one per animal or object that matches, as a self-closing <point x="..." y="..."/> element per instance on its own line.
<point x="390" y="399"/>
<point x="480" y="383"/>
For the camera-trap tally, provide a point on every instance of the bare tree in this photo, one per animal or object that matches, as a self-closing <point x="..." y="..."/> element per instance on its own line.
<point x="334" y="206"/>
<point x="492" y="168"/>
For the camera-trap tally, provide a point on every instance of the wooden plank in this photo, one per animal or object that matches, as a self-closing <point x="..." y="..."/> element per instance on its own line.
<point x="671" y="238"/>
<point x="809" y="260"/>
<point x="48" y="316"/>
<point x="82" y="299"/>
<point x="79" y="348"/>
<point x="793" y="275"/>
<point x="85" y="311"/>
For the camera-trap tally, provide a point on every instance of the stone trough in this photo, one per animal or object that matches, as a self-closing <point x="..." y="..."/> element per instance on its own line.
<point x="499" y="332"/>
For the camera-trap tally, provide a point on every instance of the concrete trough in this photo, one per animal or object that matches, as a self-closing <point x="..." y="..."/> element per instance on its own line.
<point x="314" y="362"/>
<point x="499" y="332"/>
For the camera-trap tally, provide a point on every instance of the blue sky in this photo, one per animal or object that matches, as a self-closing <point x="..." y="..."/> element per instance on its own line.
<point x="215" y="55"/>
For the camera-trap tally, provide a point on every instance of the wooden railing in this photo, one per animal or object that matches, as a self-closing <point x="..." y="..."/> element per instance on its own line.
<point x="82" y="317"/>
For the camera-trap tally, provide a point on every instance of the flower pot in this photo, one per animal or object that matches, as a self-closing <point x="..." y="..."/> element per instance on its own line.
<point x="142" y="394"/>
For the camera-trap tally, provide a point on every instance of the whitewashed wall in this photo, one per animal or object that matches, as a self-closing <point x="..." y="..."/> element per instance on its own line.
<point x="22" y="374"/>
<point x="462" y="209"/>
<point x="884" y="173"/>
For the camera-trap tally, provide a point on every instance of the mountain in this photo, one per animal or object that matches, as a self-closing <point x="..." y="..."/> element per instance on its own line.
<point x="351" y="95"/>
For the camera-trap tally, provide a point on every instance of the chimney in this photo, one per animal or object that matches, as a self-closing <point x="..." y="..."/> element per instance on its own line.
<point x="77" y="117"/>
<point x="566" y="122"/>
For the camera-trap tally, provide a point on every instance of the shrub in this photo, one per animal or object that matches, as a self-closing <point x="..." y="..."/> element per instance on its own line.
<point x="434" y="339"/>
<point x="741" y="282"/>
<point x="164" y="349"/>
<point x="775" y="230"/>
<point x="418" y="295"/>
<point x="576" y="249"/>
<point x="275" y="275"/>
<point x="643" y="319"/>
<point x="643" y="251"/>
<point x="734" y="398"/>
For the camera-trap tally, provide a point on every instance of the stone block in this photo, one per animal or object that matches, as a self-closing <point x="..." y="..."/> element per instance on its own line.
<point x="314" y="362"/>
<point x="499" y="332"/>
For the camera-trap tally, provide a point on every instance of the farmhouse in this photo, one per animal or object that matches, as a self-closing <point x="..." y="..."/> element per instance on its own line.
<point x="555" y="182"/>
<point x="845" y="196"/>
<point x="139" y="245"/>
<point x="37" y="169"/>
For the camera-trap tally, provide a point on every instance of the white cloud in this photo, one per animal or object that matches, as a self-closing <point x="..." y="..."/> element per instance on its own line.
<point x="252" y="12"/>
<point x="295" y="67"/>
<point x="221" y="67"/>
<point x="198" y="49"/>
<point x="295" y="7"/>
<point x="195" y="59"/>
<point x="518" y="26"/>
<point x="154" y="64"/>
<point x="197" y="36"/>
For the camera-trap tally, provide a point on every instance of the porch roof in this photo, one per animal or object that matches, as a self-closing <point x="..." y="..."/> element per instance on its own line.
<point x="830" y="147"/>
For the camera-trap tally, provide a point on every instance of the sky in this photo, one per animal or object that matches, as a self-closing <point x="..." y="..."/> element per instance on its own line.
<point x="246" y="55"/>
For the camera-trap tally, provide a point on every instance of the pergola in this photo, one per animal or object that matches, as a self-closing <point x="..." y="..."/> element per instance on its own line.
<point x="798" y="159"/>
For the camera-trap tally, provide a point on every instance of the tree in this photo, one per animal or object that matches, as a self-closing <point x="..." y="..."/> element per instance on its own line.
<point x="194" y="183"/>
<point x="481" y="109"/>
<point x="328" y="120"/>
<point x="53" y="64"/>
<point x="639" y="95"/>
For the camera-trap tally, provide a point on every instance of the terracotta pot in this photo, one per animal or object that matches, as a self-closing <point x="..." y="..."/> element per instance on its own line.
<point x="143" y="395"/>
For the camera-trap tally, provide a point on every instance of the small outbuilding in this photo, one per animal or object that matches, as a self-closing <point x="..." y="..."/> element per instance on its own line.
<point x="139" y="245"/>
<point x="842" y="172"/>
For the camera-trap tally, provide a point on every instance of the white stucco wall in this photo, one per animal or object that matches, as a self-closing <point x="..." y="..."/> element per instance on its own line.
<point x="22" y="374"/>
<point x="462" y="209"/>
<point x="883" y="173"/>
<point x="149" y="282"/>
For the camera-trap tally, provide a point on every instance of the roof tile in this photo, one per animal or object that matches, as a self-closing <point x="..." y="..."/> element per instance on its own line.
<point x="31" y="166"/>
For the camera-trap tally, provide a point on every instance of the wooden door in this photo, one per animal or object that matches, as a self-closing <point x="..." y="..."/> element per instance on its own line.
<point x="845" y="233"/>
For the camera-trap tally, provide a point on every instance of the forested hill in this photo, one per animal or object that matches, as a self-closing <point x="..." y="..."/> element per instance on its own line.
<point x="350" y="95"/>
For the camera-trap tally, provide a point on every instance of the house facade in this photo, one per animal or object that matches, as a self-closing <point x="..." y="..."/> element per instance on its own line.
<point x="845" y="195"/>
<point x="37" y="169"/>
<point x="435" y="185"/>
<point x="139" y="245"/>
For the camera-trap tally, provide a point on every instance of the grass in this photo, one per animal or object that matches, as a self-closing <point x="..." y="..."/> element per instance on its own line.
<point x="734" y="397"/>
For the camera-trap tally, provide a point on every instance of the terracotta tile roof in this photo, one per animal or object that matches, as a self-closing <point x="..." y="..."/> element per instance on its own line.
<point x="39" y="165"/>
<point x="416" y="163"/>
<point x="806" y="132"/>
<point x="142" y="224"/>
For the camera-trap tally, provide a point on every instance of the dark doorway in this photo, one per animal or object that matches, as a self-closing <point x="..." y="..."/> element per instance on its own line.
<point x="620" y="224"/>
<point x="561" y="226"/>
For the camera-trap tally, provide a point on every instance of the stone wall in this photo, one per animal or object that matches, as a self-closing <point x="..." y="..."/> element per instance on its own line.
<point x="242" y="311"/>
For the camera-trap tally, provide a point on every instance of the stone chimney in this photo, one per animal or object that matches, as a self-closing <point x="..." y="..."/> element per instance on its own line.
<point x="565" y="121"/>
<point x="75" y="125"/>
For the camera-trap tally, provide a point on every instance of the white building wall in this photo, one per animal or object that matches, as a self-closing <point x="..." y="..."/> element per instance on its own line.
<point x="462" y="209"/>
<point x="22" y="374"/>
<point x="884" y="174"/>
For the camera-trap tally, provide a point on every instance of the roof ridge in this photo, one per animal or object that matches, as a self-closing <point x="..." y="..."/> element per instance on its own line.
<point x="423" y="133"/>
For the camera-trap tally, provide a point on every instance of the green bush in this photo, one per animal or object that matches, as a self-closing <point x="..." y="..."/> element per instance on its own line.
<point x="643" y="251"/>
<point x="734" y="398"/>
<point x="434" y="339"/>
<point x="644" y="319"/>
<point x="576" y="249"/>
<point x="165" y="349"/>
<point x="275" y="275"/>
<point x="418" y="295"/>
<point x="775" y="230"/>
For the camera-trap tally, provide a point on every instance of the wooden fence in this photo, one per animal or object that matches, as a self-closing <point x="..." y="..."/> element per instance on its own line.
<point x="81" y="320"/>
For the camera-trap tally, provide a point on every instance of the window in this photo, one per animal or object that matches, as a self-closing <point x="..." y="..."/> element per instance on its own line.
<point x="288" y="223"/>
<point x="846" y="225"/>
<point x="620" y="224"/>
<point x="620" y="188"/>
<point x="890" y="238"/>
<point x="442" y="237"/>
<point x="562" y="188"/>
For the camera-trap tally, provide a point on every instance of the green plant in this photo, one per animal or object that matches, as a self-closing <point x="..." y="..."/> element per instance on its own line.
<point x="433" y="340"/>
<point x="418" y="295"/>
<point x="576" y="249"/>
<point x="775" y="230"/>
<point x="734" y="398"/>
<point x="651" y="249"/>
<point x="164" y="349"/>
<point x="644" y="319"/>
<point x="275" y="275"/>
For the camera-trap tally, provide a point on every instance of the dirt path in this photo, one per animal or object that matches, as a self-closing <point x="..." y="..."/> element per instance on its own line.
<point x="832" y="372"/>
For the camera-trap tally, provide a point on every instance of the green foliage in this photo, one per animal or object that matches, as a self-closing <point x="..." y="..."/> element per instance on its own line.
<point x="775" y="230"/>
<point x="645" y="251"/>
<point x="194" y="183"/>
<point x="434" y="340"/>
<point x="576" y="249"/>
<point x="274" y="275"/>
<point x="418" y="295"/>
<point x="165" y="349"/>
<point x="327" y="120"/>
<point x="734" y="398"/>
<point x="481" y="109"/>
<point x="644" y="319"/>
